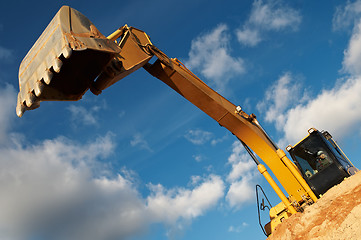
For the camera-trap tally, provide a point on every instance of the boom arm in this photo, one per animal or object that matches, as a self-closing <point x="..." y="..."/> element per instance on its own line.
<point x="245" y="127"/>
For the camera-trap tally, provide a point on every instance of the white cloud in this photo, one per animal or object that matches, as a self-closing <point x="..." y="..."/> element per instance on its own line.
<point x="198" y="137"/>
<point x="178" y="204"/>
<point x="121" y="114"/>
<point x="215" y="141"/>
<point x="272" y="15"/>
<point x="211" y="55"/>
<point x="195" y="180"/>
<point x="240" y="192"/>
<point x="239" y="228"/>
<point x="198" y="157"/>
<point x="139" y="141"/>
<point x="346" y="14"/>
<point x="82" y="115"/>
<point x="337" y="109"/>
<point x="248" y="37"/>
<point x="50" y="191"/>
<point x="241" y="177"/>
<point x="352" y="58"/>
<point x="177" y="207"/>
<point x="5" y="53"/>
<point x="280" y="97"/>
<point x="60" y="189"/>
<point x="7" y="110"/>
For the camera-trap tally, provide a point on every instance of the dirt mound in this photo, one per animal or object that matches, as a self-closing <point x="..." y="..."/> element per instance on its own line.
<point x="337" y="215"/>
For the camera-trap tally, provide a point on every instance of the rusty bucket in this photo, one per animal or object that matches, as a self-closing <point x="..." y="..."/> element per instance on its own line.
<point x="64" y="61"/>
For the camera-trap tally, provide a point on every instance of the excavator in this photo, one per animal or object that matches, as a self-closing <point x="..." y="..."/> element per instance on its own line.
<point x="72" y="56"/>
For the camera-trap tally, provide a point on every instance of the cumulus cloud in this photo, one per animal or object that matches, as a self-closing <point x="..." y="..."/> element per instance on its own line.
<point x="346" y="14"/>
<point x="279" y="98"/>
<point x="337" y="109"/>
<point x="61" y="189"/>
<point x="178" y="206"/>
<point x="7" y="112"/>
<point x="211" y="55"/>
<point x="352" y="55"/>
<point x="241" y="177"/>
<point x="267" y="16"/>
<point x="50" y="191"/>
<point x="184" y="204"/>
<point x="248" y="36"/>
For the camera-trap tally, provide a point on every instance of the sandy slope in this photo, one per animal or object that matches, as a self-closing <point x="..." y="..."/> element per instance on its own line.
<point x="337" y="215"/>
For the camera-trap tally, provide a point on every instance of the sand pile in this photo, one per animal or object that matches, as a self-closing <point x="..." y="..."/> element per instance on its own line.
<point x="337" y="215"/>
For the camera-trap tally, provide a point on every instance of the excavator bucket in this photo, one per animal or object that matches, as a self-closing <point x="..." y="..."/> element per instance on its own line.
<point x="64" y="61"/>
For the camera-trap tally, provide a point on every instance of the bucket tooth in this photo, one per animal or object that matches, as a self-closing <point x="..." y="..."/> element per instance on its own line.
<point x="67" y="52"/>
<point x="30" y="99"/>
<point x="38" y="88"/>
<point x="48" y="76"/>
<point x="20" y="108"/>
<point x="57" y="65"/>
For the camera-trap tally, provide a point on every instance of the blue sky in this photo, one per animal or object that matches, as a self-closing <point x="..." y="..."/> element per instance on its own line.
<point x="139" y="161"/>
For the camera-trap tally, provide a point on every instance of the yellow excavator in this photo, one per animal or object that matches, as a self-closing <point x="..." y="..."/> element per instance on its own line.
<point x="72" y="56"/>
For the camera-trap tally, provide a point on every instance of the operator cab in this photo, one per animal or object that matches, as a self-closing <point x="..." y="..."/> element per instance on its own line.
<point x="321" y="162"/>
